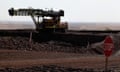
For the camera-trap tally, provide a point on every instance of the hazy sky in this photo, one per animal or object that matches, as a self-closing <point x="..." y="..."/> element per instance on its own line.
<point x="75" y="10"/>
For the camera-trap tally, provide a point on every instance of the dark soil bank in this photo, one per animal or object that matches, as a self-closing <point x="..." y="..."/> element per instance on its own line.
<point x="76" y="39"/>
<point x="48" y="42"/>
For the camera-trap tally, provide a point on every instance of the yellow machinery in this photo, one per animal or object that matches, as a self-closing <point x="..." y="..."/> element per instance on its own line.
<point x="50" y="20"/>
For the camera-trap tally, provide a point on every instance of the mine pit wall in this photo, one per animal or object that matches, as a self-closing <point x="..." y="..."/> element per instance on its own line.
<point x="75" y="39"/>
<point x="80" y="40"/>
<point x="75" y="43"/>
<point x="15" y="33"/>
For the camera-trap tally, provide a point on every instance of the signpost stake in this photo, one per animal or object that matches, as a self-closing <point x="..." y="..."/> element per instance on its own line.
<point x="106" y="64"/>
<point x="108" y="48"/>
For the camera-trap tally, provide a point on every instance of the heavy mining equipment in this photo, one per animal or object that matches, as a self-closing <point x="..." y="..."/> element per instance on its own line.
<point x="44" y="20"/>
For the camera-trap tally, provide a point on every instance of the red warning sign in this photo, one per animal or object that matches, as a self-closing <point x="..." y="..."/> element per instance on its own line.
<point x="108" y="46"/>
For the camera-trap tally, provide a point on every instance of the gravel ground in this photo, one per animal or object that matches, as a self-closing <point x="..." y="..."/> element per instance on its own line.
<point x="52" y="68"/>
<point x="22" y="43"/>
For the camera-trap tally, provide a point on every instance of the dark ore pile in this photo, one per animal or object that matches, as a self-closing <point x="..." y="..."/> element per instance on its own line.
<point x="22" y="43"/>
<point x="49" y="42"/>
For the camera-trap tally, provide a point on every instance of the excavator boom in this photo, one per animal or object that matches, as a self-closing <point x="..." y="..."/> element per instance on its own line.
<point x="35" y="12"/>
<point x="52" y="23"/>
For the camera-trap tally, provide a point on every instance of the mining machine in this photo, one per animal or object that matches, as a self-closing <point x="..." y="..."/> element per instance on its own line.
<point x="44" y="20"/>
